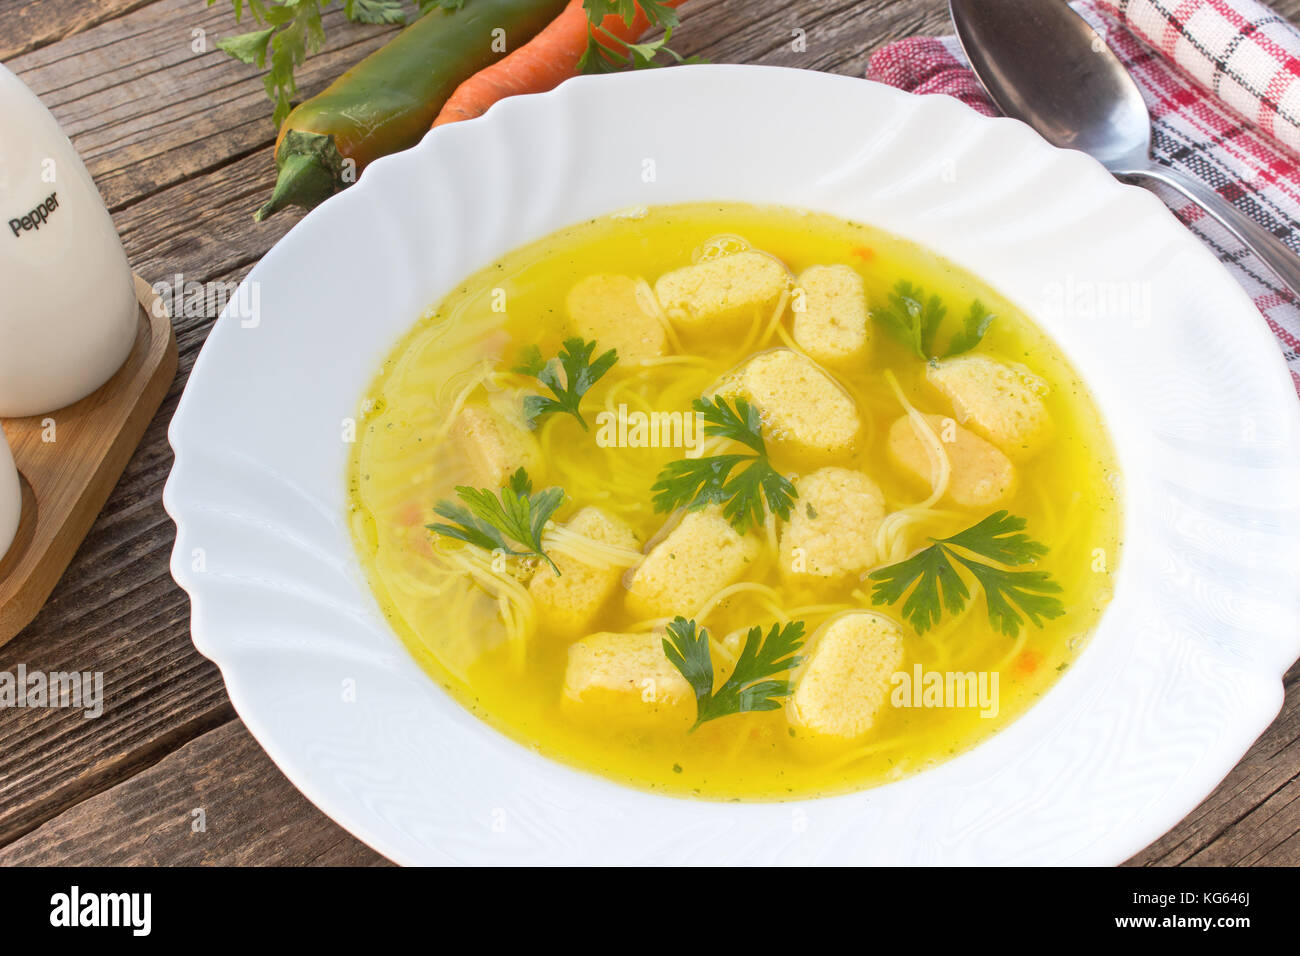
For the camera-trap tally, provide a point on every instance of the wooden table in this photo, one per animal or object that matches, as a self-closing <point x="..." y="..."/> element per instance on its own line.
<point x="178" y="137"/>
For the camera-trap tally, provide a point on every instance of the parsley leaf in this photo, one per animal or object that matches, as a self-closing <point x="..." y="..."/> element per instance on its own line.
<point x="741" y="424"/>
<point x="656" y="11"/>
<point x="914" y="320"/>
<point x="940" y="589"/>
<point x="694" y="483"/>
<point x="598" y="10"/>
<point x="911" y="319"/>
<point x="293" y="31"/>
<point x="977" y="322"/>
<point x="580" y="373"/>
<point x="659" y="13"/>
<point x="995" y="537"/>
<point x="248" y="48"/>
<point x="374" y="11"/>
<point x="510" y="522"/>
<point x="750" y="686"/>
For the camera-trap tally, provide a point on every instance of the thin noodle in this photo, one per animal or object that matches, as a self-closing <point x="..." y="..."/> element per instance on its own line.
<point x="711" y="605"/>
<point x="940" y="466"/>
<point x="457" y="403"/>
<point x="588" y="551"/>
<point x="775" y="320"/>
<point x="888" y="534"/>
<point x="785" y="337"/>
<point x="660" y="361"/>
<point x="650" y="302"/>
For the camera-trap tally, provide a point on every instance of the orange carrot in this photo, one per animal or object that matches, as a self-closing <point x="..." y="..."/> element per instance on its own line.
<point x="541" y="64"/>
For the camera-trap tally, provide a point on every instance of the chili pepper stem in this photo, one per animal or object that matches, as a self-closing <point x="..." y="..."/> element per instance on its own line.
<point x="310" y="170"/>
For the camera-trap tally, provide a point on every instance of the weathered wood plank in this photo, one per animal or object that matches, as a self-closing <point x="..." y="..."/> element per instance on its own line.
<point x="218" y="800"/>
<point x="839" y="35"/>
<point x="30" y="24"/>
<point x="180" y="143"/>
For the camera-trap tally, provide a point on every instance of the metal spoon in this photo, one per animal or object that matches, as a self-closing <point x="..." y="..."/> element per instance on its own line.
<point x="1044" y="64"/>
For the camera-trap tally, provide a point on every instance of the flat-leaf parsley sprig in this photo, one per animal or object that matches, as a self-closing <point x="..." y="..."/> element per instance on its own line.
<point x="293" y="30"/>
<point x="751" y="686"/>
<point x="980" y="549"/>
<point x="579" y="374"/>
<point x="511" y="521"/>
<point x="694" y="483"/>
<point x="914" y="320"/>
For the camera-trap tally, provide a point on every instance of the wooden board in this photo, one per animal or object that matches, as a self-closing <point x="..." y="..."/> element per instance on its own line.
<point x="179" y="142"/>
<point x="70" y="459"/>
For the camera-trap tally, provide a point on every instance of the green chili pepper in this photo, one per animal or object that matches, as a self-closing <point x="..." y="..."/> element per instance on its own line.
<point x="387" y="102"/>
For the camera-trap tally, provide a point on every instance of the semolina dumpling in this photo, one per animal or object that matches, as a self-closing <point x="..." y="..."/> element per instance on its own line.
<point x="845" y="680"/>
<point x="611" y="309"/>
<point x="803" y="407"/>
<point x="831" y="327"/>
<point x="624" y="680"/>
<point x="493" y="444"/>
<point x="718" y="295"/>
<point x="831" y="531"/>
<point x="570" y="600"/>
<point x="997" y="401"/>
<point x="980" y="475"/>
<point x="697" y="558"/>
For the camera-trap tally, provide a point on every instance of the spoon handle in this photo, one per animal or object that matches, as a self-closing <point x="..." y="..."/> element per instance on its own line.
<point x="1284" y="263"/>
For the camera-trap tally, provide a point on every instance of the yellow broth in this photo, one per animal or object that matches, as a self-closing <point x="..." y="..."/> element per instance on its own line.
<point x="465" y="347"/>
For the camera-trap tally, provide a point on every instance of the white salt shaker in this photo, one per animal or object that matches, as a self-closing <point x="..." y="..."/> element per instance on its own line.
<point x="68" y="314"/>
<point x="11" y="497"/>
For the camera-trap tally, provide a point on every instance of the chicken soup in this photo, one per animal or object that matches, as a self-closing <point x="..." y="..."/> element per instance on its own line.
<point x="735" y="502"/>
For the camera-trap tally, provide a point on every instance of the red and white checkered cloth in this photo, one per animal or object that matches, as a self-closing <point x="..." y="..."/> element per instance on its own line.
<point x="1222" y="81"/>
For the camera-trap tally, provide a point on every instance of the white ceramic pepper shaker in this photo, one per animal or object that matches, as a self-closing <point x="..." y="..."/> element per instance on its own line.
<point x="68" y="313"/>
